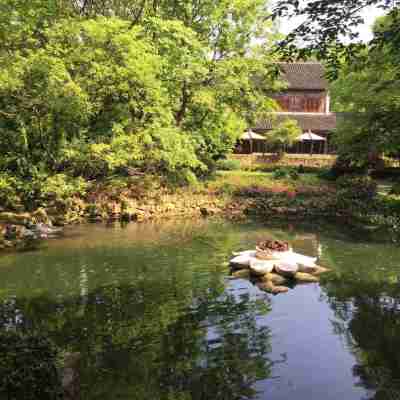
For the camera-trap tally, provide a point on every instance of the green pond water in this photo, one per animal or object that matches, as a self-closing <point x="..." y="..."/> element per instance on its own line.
<point x="153" y="313"/>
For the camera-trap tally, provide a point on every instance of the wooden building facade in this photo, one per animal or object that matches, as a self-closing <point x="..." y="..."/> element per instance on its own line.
<point x="305" y="100"/>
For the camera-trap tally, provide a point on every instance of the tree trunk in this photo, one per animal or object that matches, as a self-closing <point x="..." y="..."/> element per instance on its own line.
<point x="180" y="115"/>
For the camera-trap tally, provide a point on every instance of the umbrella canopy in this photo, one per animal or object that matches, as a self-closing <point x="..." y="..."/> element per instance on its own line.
<point x="250" y="135"/>
<point x="311" y="136"/>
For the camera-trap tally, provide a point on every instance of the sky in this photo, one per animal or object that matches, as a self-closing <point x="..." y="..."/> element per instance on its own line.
<point x="365" y="30"/>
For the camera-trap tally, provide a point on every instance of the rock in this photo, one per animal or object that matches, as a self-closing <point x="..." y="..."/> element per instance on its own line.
<point x="127" y="216"/>
<point x="280" y="289"/>
<point x="250" y="253"/>
<point x="40" y="216"/>
<point x="261" y="267"/>
<point x="241" y="274"/>
<point x="208" y="211"/>
<point x="94" y="212"/>
<point x="274" y="278"/>
<point x="52" y="211"/>
<point x="286" y="269"/>
<point x="29" y="243"/>
<point x="42" y="230"/>
<point x="307" y="269"/>
<point x="59" y="221"/>
<point x="243" y="260"/>
<point x="238" y="267"/>
<point x="170" y="207"/>
<point x="28" y="234"/>
<point x="139" y="216"/>
<point x="269" y="287"/>
<point x="11" y="232"/>
<point x="95" y="219"/>
<point x="320" y="270"/>
<point x="15" y="219"/>
<point x="306" y="278"/>
<point x="70" y="377"/>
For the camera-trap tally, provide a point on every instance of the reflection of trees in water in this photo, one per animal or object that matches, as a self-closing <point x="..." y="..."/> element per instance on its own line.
<point x="367" y="307"/>
<point x="136" y="346"/>
<point x="225" y="361"/>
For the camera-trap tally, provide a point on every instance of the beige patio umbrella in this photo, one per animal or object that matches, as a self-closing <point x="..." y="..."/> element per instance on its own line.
<point x="310" y="136"/>
<point x="251" y="136"/>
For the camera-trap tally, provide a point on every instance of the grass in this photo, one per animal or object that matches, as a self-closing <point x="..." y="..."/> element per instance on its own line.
<point x="232" y="181"/>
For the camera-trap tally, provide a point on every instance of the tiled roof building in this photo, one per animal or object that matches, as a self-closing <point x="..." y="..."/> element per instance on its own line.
<point x="304" y="76"/>
<point x="306" y="100"/>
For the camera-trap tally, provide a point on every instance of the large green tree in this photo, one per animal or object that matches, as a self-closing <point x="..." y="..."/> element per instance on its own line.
<point x="162" y="85"/>
<point x="369" y="95"/>
<point x="95" y="82"/>
<point x="327" y="26"/>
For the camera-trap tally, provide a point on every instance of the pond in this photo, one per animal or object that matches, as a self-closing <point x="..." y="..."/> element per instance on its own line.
<point x="152" y="313"/>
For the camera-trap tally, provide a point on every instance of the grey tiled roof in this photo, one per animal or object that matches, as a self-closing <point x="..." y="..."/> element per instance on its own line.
<point x="304" y="75"/>
<point x="312" y="122"/>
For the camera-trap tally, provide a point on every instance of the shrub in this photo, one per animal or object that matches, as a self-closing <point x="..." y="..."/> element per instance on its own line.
<point x="28" y="368"/>
<point x="347" y="164"/>
<point x="228" y="165"/>
<point x="280" y="173"/>
<point x="62" y="187"/>
<point x="360" y="186"/>
<point x="327" y="174"/>
<point x="285" y="173"/>
<point x="8" y="192"/>
<point x="36" y="190"/>
<point x="355" y="191"/>
<point x="395" y="189"/>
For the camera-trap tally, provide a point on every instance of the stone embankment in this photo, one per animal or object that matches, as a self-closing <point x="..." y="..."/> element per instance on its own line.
<point x="25" y="231"/>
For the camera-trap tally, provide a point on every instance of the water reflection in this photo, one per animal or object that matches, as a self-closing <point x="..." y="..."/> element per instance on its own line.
<point x="366" y="299"/>
<point x="151" y="314"/>
<point x="148" y="323"/>
<point x="129" y="346"/>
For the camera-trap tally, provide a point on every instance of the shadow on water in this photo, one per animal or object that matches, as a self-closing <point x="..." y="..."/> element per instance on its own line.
<point x="148" y="313"/>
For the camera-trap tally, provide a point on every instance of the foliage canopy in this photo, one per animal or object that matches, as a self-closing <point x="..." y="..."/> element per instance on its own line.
<point x="91" y="87"/>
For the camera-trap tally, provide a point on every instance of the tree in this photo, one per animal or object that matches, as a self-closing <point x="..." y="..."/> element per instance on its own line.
<point x="93" y="90"/>
<point x="170" y="83"/>
<point x="284" y="135"/>
<point x="326" y="24"/>
<point x="369" y="95"/>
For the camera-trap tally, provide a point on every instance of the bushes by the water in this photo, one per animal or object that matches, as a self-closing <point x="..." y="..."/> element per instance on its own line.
<point x="228" y="165"/>
<point x="395" y="189"/>
<point x="327" y="174"/>
<point x="355" y="190"/>
<point x="39" y="189"/>
<point x="28" y="368"/>
<point x="8" y="191"/>
<point x="286" y="172"/>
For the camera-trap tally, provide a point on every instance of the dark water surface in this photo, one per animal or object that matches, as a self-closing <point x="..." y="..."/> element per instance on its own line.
<point x="153" y="314"/>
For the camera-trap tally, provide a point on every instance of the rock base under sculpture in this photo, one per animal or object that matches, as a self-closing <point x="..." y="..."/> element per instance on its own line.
<point x="272" y="276"/>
